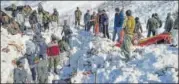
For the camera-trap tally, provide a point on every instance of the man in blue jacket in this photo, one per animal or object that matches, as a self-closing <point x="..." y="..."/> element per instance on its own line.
<point x="118" y="22"/>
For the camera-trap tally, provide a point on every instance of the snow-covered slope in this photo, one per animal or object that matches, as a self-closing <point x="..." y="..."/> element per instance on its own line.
<point x="155" y="63"/>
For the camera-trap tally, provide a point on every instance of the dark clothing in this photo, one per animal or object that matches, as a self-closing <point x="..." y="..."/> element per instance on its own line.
<point x="168" y="24"/>
<point x="151" y="26"/>
<point x="104" y="21"/>
<point x="105" y="31"/>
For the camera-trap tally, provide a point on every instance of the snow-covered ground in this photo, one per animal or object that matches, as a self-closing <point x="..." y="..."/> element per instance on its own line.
<point x="151" y="64"/>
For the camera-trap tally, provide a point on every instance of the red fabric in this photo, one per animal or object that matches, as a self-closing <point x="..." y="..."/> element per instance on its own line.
<point x="53" y="50"/>
<point x="121" y="39"/>
<point x="165" y="36"/>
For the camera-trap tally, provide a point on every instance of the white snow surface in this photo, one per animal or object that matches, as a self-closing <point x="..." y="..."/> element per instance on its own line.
<point x="105" y="63"/>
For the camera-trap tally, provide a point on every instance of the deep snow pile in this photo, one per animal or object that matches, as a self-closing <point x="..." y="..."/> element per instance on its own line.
<point x="155" y="63"/>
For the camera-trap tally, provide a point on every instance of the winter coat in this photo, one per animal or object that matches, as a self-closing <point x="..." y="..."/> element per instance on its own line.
<point x="53" y="49"/>
<point x="33" y="19"/>
<point x="176" y="23"/>
<point x="13" y="28"/>
<point x="168" y="24"/>
<point x="20" y="18"/>
<point x="138" y="27"/>
<point x="20" y="75"/>
<point x="67" y="31"/>
<point x="159" y="22"/>
<point x="40" y="8"/>
<point x="118" y="20"/>
<point x="129" y="26"/>
<point x="104" y="19"/>
<point x="87" y="18"/>
<point x="152" y="24"/>
<point x="78" y="14"/>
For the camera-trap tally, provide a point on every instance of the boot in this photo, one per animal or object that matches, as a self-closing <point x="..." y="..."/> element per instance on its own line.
<point x="55" y="71"/>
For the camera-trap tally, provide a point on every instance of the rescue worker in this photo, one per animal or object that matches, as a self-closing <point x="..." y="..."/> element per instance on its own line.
<point x="14" y="10"/>
<point x="87" y="18"/>
<point x="138" y="28"/>
<point x="93" y="21"/>
<point x="159" y="23"/>
<point x="46" y="20"/>
<point x="55" y="18"/>
<point x="129" y="32"/>
<point x="168" y="23"/>
<point x="33" y="21"/>
<point x="152" y="25"/>
<point x="105" y="22"/>
<point x="67" y="33"/>
<point x="100" y="21"/>
<point x="174" y="33"/>
<point x="64" y="51"/>
<point x="40" y="8"/>
<point x="53" y="53"/>
<point x="27" y="11"/>
<point x="97" y="23"/>
<point x="40" y="20"/>
<point x="78" y="14"/>
<point x="42" y="66"/>
<point x="21" y="20"/>
<point x="32" y="51"/>
<point x="20" y="74"/>
<point x="118" y="23"/>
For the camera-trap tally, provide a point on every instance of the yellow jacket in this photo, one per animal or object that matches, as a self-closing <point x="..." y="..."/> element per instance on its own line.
<point x="129" y="25"/>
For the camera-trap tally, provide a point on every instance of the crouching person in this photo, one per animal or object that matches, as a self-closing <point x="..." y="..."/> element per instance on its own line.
<point x="20" y="74"/>
<point x="53" y="54"/>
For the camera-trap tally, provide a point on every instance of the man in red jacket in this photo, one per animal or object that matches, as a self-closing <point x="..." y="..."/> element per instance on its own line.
<point x="53" y="52"/>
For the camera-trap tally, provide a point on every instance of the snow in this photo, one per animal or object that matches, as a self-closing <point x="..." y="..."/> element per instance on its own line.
<point x="96" y="54"/>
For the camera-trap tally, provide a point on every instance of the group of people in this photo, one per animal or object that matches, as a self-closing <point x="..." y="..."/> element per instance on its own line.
<point x="43" y="57"/>
<point x="22" y="15"/>
<point x="98" y="21"/>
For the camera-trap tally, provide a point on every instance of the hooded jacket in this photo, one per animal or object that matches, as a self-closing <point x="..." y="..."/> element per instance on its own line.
<point x="168" y="24"/>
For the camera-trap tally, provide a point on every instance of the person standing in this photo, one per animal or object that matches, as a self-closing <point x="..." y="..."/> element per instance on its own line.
<point x="159" y="23"/>
<point x="151" y="26"/>
<point x="20" y="74"/>
<point x="53" y="53"/>
<point x="105" y="22"/>
<point x="78" y="14"/>
<point x="67" y="33"/>
<point x="168" y="23"/>
<point x="129" y="32"/>
<point x="174" y="33"/>
<point x="55" y="18"/>
<point x="118" y="23"/>
<point x="87" y="18"/>
<point x="93" y="21"/>
<point x="33" y="21"/>
<point x="138" y="28"/>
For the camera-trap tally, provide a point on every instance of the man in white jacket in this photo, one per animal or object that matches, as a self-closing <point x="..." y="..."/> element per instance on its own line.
<point x="21" y="20"/>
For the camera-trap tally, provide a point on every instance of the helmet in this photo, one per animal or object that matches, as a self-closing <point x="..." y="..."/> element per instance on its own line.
<point x="128" y="12"/>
